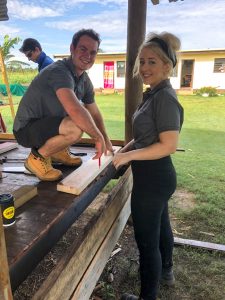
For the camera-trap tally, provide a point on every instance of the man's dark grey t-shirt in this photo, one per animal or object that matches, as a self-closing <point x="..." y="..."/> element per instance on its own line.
<point x="160" y="111"/>
<point x="40" y="100"/>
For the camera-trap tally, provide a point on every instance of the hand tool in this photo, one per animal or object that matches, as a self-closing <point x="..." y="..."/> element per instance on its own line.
<point x="6" y="159"/>
<point x="79" y="153"/>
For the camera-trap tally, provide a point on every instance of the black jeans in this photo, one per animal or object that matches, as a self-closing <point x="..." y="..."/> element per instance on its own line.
<point x="153" y="184"/>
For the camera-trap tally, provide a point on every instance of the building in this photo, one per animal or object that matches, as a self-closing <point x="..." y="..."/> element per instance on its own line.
<point x="195" y="69"/>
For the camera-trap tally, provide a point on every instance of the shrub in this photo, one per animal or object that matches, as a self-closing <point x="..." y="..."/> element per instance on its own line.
<point x="207" y="91"/>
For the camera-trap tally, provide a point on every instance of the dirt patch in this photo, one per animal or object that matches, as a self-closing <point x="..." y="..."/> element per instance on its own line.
<point x="183" y="199"/>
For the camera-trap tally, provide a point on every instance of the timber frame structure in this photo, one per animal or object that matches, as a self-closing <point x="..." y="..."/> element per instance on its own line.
<point x="62" y="283"/>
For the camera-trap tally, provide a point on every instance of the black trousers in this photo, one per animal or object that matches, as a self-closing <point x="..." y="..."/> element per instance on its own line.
<point x="153" y="184"/>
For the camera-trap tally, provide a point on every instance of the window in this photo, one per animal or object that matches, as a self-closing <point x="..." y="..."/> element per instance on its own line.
<point x="219" y="65"/>
<point x="174" y="72"/>
<point x="121" y="69"/>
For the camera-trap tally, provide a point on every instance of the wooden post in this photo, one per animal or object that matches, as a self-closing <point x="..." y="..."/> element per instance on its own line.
<point x="136" y="28"/>
<point x="5" y="80"/>
<point x="5" y="286"/>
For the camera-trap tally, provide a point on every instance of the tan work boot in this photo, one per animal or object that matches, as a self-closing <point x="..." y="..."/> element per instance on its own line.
<point x="66" y="158"/>
<point x="42" y="168"/>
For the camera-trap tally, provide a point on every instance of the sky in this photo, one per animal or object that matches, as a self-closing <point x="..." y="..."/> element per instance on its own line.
<point x="198" y="23"/>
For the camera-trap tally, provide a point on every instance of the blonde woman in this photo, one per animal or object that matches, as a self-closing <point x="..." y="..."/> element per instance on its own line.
<point x="156" y="126"/>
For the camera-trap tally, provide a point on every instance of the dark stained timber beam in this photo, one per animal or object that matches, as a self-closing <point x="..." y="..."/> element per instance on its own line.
<point x="23" y="266"/>
<point x="136" y="28"/>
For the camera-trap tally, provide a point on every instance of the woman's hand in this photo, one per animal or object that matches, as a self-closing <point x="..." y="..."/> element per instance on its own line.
<point x="120" y="159"/>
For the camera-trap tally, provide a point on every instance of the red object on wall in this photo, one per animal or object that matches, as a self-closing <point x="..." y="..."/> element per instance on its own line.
<point x="2" y="124"/>
<point x="109" y="75"/>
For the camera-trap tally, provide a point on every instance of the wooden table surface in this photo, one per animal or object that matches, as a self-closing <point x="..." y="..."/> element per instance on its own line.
<point x="41" y="221"/>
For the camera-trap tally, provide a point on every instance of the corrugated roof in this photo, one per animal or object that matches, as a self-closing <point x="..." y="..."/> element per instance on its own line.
<point x="3" y="11"/>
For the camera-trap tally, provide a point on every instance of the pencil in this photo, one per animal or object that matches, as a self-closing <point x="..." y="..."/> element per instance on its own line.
<point x="99" y="162"/>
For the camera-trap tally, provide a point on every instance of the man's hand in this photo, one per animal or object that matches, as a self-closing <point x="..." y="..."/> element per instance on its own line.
<point x="100" y="147"/>
<point x="108" y="146"/>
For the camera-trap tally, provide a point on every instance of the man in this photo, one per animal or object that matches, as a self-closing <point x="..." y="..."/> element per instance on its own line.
<point x="50" y="116"/>
<point x="33" y="51"/>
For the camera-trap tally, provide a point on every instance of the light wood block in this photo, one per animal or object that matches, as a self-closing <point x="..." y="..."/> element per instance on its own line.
<point x="78" y="180"/>
<point x="24" y="194"/>
<point x="7" y="146"/>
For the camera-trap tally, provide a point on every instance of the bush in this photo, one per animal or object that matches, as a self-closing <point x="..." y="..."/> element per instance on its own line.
<point x="207" y="91"/>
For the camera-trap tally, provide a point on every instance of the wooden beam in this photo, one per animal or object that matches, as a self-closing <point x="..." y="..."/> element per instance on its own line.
<point x="79" y="179"/>
<point x="136" y="28"/>
<point x="199" y="244"/>
<point x="5" y="286"/>
<point x="24" y="194"/>
<point x="7" y="146"/>
<point x="92" y="142"/>
<point x="91" y="276"/>
<point x="64" y="279"/>
<point x="7" y="136"/>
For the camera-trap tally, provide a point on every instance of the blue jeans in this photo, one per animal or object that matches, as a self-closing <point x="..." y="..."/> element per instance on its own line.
<point x="154" y="182"/>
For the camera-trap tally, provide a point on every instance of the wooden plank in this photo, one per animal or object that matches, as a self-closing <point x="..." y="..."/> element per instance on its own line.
<point x="200" y="244"/>
<point x="23" y="194"/>
<point x="92" y="142"/>
<point x="61" y="283"/>
<point x="7" y="146"/>
<point x="91" y="276"/>
<point x="78" y="180"/>
<point x="7" y="136"/>
<point x="5" y="287"/>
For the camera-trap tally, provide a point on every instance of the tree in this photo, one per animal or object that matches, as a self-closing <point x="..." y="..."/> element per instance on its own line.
<point x="7" y="45"/>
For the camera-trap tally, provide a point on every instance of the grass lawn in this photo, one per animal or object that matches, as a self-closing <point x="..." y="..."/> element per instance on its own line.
<point x="201" y="171"/>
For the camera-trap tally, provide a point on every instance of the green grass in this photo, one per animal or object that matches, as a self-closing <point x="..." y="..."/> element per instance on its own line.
<point x="200" y="168"/>
<point x="23" y="77"/>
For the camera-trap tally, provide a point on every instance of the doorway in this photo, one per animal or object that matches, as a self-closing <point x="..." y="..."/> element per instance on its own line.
<point x="109" y="75"/>
<point x="187" y="73"/>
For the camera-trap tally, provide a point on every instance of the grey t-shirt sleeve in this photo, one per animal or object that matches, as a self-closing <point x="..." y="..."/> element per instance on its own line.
<point x="60" y="78"/>
<point x="167" y="113"/>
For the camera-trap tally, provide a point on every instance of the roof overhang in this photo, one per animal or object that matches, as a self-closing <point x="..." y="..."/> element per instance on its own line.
<point x="3" y="11"/>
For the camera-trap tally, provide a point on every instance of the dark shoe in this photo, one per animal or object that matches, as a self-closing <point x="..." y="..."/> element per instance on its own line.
<point x="167" y="277"/>
<point x="129" y="297"/>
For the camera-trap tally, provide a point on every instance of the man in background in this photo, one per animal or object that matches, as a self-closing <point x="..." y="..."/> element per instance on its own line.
<point x="33" y="51"/>
<point x="58" y="106"/>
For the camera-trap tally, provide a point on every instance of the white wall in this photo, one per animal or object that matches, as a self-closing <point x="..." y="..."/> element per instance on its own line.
<point x="203" y="75"/>
<point x="96" y="75"/>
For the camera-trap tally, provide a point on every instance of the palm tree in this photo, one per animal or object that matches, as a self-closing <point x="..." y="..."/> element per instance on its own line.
<point x="9" y="43"/>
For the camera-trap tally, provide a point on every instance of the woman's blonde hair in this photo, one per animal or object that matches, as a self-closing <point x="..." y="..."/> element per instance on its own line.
<point x="165" y="45"/>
